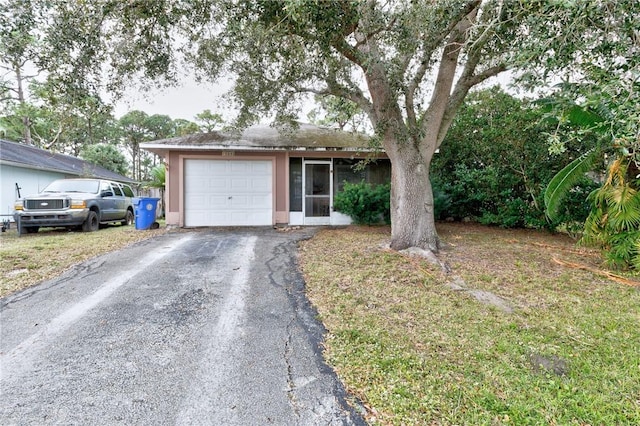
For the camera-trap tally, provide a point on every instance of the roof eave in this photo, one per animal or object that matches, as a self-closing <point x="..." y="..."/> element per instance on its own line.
<point x="35" y="167"/>
<point x="164" y="148"/>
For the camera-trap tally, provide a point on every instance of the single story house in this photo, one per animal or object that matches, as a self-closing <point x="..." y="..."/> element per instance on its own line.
<point x="263" y="176"/>
<point x="26" y="170"/>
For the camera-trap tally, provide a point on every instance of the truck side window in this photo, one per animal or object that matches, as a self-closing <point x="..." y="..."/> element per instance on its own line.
<point x="116" y="189"/>
<point x="105" y="189"/>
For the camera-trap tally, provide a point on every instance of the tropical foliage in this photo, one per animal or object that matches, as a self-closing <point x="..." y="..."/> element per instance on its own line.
<point x="495" y="164"/>
<point x="614" y="221"/>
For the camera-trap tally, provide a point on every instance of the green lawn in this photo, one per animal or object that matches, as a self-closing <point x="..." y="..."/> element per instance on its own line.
<point x="414" y="351"/>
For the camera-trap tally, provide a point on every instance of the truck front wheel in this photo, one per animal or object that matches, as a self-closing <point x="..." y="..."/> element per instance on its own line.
<point x="91" y="224"/>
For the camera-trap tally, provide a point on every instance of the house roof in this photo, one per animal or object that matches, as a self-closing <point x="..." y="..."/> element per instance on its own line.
<point x="266" y="138"/>
<point x="30" y="157"/>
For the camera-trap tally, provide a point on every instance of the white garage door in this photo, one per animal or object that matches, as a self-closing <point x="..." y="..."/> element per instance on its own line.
<point x="228" y="192"/>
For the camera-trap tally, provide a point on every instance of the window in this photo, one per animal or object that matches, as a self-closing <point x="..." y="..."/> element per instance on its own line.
<point x="295" y="184"/>
<point x="73" y="185"/>
<point x="116" y="189"/>
<point x="127" y="191"/>
<point x="347" y="170"/>
<point x="105" y="189"/>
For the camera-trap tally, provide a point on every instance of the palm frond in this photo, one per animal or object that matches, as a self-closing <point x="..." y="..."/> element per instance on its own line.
<point x="564" y="180"/>
<point x="624" y="208"/>
<point x="636" y="258"/>
<point x="584" y="117"/>
<point x="158" y="176"/>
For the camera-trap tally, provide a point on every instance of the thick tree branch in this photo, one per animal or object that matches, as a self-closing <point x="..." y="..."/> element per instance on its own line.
<point x="371" y="35"/>
<point x="459" y="94"/>
<point x="486" y="74"/>
<point x="335" y="89"/>
<point x="431" y="124"/>
<point x="427" y="51"/>
<point x="467" y="80"/>
<point x="348" y="51"/>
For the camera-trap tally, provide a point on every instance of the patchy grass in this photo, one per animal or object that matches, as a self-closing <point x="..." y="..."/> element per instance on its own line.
<point x="417" y="352"/>
<point x="31" y="258"/>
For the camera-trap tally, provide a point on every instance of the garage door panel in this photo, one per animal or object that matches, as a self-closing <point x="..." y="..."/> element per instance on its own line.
<point x="217" y="200"/>
<point x="260" y="185"/>
<point x="261" y="168"/>
<point x="216" y="183"/>
<point x="261" y="200"/>
<point x="240" y="202"/>
<point x="228" y="192"/>
<point x="239" y="167"/>
<point x="240" y="184"/>
<point x="199" y="202"/>
<point x="199" y="168"/>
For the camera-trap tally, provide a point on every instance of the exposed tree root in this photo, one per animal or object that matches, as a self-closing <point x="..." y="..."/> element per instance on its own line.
<point x="427" y="255"/>
<point x="457" y="283"/>
<point x="610" y="275"/>
<point x="417" y="252"/>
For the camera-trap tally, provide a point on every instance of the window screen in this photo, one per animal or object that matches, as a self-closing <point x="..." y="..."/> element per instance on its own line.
<point x="295" y="184"/>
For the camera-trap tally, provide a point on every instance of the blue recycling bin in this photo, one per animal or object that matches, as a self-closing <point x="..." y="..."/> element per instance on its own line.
<point x="145" y="209"/>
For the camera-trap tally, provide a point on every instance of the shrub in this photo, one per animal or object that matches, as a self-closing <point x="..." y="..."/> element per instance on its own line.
<point x="366" y="204"/>
<point x="495" y="163"/>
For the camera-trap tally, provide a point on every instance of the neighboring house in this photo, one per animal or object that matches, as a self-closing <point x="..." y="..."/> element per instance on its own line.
<point x="263" y="177"/>
<point x="26" y="170"/>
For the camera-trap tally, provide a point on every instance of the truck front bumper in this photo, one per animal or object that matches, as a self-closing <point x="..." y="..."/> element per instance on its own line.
<point x="52" y="218"/>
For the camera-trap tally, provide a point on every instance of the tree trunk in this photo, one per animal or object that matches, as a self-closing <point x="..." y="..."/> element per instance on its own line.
<point x="412" y="208"/>
<point x="26" y="121"/>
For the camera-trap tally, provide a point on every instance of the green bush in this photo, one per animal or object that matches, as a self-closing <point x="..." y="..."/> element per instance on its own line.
<point x="366" y="204"/>
<point x="495" y="163"/>
<point x="441" y="202"/>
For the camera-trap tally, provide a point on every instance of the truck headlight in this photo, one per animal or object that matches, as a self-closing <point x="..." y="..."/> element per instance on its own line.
<point x="18" y="205"/>
<point x="78" y="204"/>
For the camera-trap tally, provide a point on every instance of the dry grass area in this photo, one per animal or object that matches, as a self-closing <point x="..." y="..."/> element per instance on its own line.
<point x="416" y="351"/>
<point x="31" y="258"/>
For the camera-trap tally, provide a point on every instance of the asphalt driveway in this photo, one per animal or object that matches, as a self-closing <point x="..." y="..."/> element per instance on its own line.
<point x="190" y="328"/>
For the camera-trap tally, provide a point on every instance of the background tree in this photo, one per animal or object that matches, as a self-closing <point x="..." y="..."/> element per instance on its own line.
<point x="107" y="156"/>
<point x="17" y="39"/>
<point x="209" y="121"/>
<point x="332" y="110"/>
<point x="78" y="117"/>
<point x="133" y="127"/>
<point x="159" y="126"/>
<point x="407" y="65"/>
<point x="185" y="127"/>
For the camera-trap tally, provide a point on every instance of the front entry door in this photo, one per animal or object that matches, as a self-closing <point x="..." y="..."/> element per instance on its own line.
<point x="317" y="192"/>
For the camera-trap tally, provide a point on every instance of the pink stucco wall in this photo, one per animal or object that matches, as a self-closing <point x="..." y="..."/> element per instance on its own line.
<point x="174" y="179"/>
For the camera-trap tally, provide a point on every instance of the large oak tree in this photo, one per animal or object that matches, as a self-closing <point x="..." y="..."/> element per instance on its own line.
<point x="407" y="64"/>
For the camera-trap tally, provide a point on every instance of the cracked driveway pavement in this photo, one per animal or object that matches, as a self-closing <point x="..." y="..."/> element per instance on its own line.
<point x="207" y="327"/>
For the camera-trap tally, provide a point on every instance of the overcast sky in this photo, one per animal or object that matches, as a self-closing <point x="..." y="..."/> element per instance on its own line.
<point x="191" y="98"/>
<point x="184" y="101"/>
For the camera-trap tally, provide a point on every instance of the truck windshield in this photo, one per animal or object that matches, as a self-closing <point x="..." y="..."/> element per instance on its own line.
<point x="64" y="185"/>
